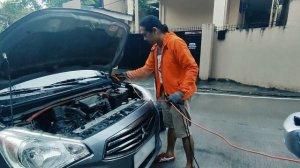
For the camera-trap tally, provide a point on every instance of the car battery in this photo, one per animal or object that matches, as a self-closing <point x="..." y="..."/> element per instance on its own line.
<point x="118" y="96"/>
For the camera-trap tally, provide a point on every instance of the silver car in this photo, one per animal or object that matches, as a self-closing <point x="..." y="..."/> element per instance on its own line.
<point x="59" y="105"/>
<point x="292" y="133"/>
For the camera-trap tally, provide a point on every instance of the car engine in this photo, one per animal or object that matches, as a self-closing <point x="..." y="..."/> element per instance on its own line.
<point x="85" y="115"/>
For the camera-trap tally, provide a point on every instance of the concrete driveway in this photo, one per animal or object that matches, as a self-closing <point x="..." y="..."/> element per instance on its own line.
<point x="252" y="122"/>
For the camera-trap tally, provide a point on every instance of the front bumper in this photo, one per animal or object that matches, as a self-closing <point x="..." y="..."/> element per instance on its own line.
<point x="98" y="142"/>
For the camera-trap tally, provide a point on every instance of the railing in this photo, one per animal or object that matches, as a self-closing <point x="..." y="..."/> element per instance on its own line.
<point x="249" y="26"/>
<point x="230" y="27"/>
<point x="192" y="28"/>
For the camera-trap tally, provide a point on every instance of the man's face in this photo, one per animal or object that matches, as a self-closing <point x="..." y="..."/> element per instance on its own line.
<point x="149" y="36"/>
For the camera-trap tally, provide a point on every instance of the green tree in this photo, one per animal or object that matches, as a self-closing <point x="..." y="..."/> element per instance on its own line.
<point x="14" y="10"/>
<point x="54" y="3"/>
<point x="3" y="22"/>
<point x="11" y="11"/>
<point x="146" y="9"/>
<point x="95" y="3"/>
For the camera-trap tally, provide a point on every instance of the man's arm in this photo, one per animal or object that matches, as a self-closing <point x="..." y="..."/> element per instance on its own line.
<point x="187" y="62"/>
<point x="144" y="71"/>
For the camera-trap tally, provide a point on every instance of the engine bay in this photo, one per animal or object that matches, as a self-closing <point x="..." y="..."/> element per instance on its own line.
<point x="85" y="115"/>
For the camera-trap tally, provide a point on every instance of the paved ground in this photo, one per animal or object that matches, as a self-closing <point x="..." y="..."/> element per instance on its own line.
<point x="227" y="86"/>
<point x="254" y="123"/>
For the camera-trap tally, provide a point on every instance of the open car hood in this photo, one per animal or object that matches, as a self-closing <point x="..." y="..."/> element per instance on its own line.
<point x="56" y="40"/>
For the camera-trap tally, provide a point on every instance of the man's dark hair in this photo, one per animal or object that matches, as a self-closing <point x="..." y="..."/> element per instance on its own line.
<point x="150" y="21"/>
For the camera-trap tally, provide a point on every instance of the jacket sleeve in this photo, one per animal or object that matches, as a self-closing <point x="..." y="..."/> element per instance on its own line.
<point x="144" y="71"/>
<point x="188" y="64"/>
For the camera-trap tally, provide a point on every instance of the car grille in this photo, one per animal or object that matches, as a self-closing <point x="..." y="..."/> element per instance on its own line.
<point x="131" y="138"/>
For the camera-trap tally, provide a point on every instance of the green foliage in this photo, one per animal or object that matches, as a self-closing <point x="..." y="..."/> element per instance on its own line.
<point x="95" y="3"/>
<point x="145" y="9"/>
<point x="12" y="10"/>
<point x="54" y="3"/>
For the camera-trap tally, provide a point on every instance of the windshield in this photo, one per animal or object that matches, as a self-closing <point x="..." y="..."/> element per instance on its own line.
<point x="55" y="78"/>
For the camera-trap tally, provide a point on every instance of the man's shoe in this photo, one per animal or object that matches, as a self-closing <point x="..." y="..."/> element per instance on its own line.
<point x="164" y="157"/>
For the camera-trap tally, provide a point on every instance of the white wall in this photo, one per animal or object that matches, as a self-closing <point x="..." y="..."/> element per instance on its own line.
<point x="206" y="50"/>
<point x="233" y="12"/>
<point x="267" y="58"/>
<point x="130" y="7"/>
<point x="263" y="57"/>
<point x="186" y="13"/>
<point x="220" y="12"/>
<point x="294" y="13"/>
<point x="75" y="4"/>
<point x="115" y="5"/>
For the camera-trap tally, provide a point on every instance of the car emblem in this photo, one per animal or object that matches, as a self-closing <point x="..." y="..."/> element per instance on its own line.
<point x="144" y="133"/>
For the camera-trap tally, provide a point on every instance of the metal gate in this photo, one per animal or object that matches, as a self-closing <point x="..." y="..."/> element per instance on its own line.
<point x="135" y="53"/>
<point x="193" y="40"/>
<point x="137" y="50"/>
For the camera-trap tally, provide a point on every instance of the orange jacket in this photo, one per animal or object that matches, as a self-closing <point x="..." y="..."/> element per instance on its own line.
<point x="178" y="67"/>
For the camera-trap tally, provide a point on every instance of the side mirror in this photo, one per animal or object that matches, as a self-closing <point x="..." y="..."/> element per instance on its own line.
<point x="292" y="133"/>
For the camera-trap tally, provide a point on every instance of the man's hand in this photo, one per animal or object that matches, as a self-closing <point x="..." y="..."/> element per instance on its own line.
<point x="120" y="77"/>
<point x="176" y="97"/>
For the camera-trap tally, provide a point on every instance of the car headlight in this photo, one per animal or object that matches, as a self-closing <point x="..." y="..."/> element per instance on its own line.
<point x="24" y="148"/>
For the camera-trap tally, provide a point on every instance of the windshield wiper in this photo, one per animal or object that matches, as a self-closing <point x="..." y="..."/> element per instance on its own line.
<point x="69" y="82"/>
<point x="75" y="81"/>
<point x="21" y="91"/>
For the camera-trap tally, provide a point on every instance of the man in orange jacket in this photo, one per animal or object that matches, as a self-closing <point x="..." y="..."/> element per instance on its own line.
<point x="175" y="79"/>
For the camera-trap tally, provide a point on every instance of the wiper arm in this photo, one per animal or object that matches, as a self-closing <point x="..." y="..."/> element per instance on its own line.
<point x="75" y="81"/>
<point x="21" y="91"/>
<point x="71" y="82"/>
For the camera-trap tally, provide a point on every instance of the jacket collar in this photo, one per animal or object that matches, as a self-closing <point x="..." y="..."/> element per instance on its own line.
<point x="165" y="41"/>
